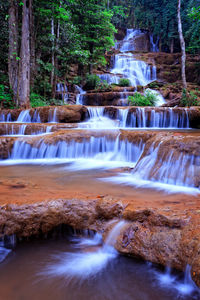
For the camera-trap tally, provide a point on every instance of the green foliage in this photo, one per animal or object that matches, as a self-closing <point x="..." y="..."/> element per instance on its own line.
<point x="37" y="100"/>
<point x="192" y="33"/>
<point x="148" y="99"/>
<point x="103" y="86"/>
<point x="77" y="80"/>
<point x="5" y="97"/>
<point x="189" y="98"/>
<point x="124" y="82"/>
<point x="92" y="82"/>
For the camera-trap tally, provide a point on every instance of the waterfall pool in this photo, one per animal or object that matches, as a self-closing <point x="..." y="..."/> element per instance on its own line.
<point x="75" y="267"/>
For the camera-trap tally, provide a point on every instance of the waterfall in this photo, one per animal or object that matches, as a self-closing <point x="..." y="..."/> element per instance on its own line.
<point x="127" y="66"/>
<point x="141" y="117"/>
<point x="184" y="287"/>
<point x="138" y="72"/>
<point x="97" y="119"/>
<point x="6" y="244"/>
<point x="122" y="116"/>
<point x="154" y="43"/>
<point x="62" y="89"/>
<point x="166" y="118"/>
<point x="5" y="118"/>
<point x="22" y="129"/>
<point x="85" y="264"/>
<point x="162" y="169"/>
<point x="128" y="42"/>
<point x="79" y="96"/>
<point x="36" y="117"/>
<point x="24" y="116"/>
<point x="103" y="149"/>
<point x="53" y="115"/>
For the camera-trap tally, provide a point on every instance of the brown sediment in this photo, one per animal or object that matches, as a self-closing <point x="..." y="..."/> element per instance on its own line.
<point x="161" y="228"/>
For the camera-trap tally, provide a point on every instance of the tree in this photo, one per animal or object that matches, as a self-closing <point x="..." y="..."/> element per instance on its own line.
<point x="96" y="31"/>
<point x="182" y="43"/>
<point x="13" y="48"/>
<point x="23" y="93"/>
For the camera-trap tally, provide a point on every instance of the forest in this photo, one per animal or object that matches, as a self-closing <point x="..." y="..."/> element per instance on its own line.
<point x="42" y="40"/>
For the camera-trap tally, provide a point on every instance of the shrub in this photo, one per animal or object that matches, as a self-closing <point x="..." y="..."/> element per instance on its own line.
<point x="5" y="97"/>
<point x="77" y="80"/>
<point x="124" y="82"/>
<point x="92" y="82"/>
<point x="189" y="98"/>
<point x="37" y="100"/>
<point x="104" y="86"/>
<point x="149" y="99"/>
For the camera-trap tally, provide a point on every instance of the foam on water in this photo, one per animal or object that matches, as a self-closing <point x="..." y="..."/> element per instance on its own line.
<point x="85" y="264"/>
<point x="184" y="287"/>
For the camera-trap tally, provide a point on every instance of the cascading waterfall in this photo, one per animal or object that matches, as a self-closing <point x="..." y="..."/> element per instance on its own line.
<point x="166" y="118"/>
<point x="164" y="170"/>
<point x="25" y="117"/>
<point x="142" y="117"/>
<point x="128" y="42"/>
<point x="127" y="66"/>
<point x="102" y="149"/>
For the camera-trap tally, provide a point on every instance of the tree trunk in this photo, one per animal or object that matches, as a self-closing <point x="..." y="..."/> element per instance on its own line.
<point x="172" y="46"/>
<point x="24" y="66"/>
<point x="53" y="52"/>
<point x="32" y="48"/>
<point x="182" y="43"/>
<point x="56" y="61"/>
<point x="13" y="48"/>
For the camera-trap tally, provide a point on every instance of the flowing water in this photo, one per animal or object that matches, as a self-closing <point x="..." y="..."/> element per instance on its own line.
<point x="127" y="66"/>
<point x="97" y="159"/>
<point x="75" y="267"/>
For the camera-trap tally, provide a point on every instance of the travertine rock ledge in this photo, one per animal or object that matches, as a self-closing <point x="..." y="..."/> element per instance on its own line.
<point x="159" y="236"/>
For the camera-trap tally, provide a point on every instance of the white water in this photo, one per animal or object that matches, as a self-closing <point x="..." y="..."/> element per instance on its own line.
<point x="24" y="117"/>
<point x="154" y="43"/>
<point x="160" y="99"/>
<point x="128" y="42"/>
<point x="6" y="244"/>
<point x="79" y="96"/>
<point x="138" y="72"/>
<point x="62" y="89"/>
<point x="163" y="171"/>
<point x="85" y="264"/>
<point x="142" y="117"/>
<point x="97" y="119"/>
<point x="5" y="118"/>
<point x="184" y="287"/>
<point x="95" y="152"/>
<point x="127" y="66"/>
<point x="53" y="116"/>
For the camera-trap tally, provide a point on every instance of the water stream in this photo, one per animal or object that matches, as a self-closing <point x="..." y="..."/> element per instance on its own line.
<point x="94" y="161"/>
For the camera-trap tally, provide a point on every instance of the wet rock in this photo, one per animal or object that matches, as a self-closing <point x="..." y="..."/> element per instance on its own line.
<point x="6" y="145"/>
<point x="64" y="114"/>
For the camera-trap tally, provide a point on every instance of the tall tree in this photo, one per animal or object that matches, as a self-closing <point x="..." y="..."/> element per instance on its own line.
<point x="24" y="65"/>
<point x="182" y="43"/>
<point x="13" y="48"/>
